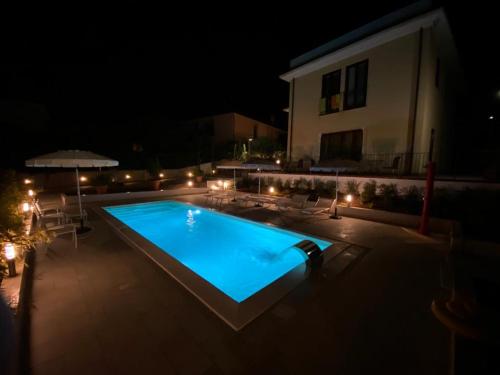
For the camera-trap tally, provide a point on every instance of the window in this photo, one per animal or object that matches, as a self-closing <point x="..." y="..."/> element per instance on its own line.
<point x="342" y="145"/>
<point x="330" y="93"/>
<point x="355" y="85"/>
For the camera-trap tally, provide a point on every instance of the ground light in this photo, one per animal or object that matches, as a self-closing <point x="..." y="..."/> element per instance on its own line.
<point x="348" y="199"/>
<point x="10" y="255"/>
<point x="27" y="181"/>
<point x="83" y="178"/>
<point x="278" y="161"/>
<point x="271" y="189"/>
<point x="127" y="176"/>
<point x="190" y="174"/>
<point x="161" y="175"/>
<point x="190" y="183"/>
<point x="491" y="117"/>
<point x="31" y="193"/>
<point x="26" y="207"/>
<point x="213" y="171"/>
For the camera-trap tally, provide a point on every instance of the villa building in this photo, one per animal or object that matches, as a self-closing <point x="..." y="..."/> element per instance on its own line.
<point x="384" y="92"/>
<point x="234" y="127"/>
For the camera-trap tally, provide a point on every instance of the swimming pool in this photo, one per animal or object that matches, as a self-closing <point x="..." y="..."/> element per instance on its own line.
<point x="238" y="257"/>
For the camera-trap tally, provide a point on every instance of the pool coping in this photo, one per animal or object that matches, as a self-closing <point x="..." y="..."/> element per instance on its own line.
<point x="236" y="315"/>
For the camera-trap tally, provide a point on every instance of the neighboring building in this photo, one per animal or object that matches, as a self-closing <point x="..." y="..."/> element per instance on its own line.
<point x="233" y="127"/>
<point x="378" y="93"/>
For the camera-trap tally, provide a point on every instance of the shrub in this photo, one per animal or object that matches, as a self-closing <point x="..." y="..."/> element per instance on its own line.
<point x="102" y="179"/>
<point x="329" y="188"/>
<point x="369" y="192"/>
<point x="412" y="199"/>
<point x="279" y="184"/>
<point x="12" y="228"/>
<point x="319" y="185"/>
<point x="389" y="195"/>
<point x="269" y="181"/>
<point x="352" y="187"/>
<point x="302" y="185"/>
<point x="287" y="185"/>
<point x="245" y="182"/>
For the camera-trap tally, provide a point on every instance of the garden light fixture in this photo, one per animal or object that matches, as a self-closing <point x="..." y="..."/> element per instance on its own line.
<point x="10" y="255"/>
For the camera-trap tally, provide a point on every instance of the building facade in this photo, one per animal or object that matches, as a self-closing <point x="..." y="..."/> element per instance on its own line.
<point x="383" y="93"/>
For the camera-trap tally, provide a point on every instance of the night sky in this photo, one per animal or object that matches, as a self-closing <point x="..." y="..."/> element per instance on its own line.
<point x="101" y="82"/>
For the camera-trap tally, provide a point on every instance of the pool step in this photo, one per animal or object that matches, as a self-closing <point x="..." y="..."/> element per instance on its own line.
<point x="343" y="258"/>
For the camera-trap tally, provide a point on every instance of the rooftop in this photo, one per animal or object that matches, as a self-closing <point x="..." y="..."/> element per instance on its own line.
<point x="379" y="31"/>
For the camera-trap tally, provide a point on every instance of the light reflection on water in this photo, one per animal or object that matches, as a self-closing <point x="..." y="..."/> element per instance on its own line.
<point x="190" y="221"/>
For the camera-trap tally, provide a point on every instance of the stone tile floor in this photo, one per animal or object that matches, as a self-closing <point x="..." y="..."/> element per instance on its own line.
<point x="104" y="308"/>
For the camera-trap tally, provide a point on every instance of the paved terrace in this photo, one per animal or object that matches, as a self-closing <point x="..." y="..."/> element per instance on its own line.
<point x="105" y="308"/>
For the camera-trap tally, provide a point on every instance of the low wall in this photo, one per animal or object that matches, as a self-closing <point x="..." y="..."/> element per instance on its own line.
<point x="50" y="179"/>
<point x="402" y="183"/>
<point x="137" y="194"/>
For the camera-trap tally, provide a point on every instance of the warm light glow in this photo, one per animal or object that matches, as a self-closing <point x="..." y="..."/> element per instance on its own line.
<point x="83" y="179"/>
<point x="27" y="181"/>
<point x="213" y="171"/>
<point x="161" y="175"/>
<point x="219" y="182"/>
<point x="348" y="198"/>
<point x="190" y="183"/>
<point x="127" y="176"/>
<point x="278" y="161"/>
<point x="26" y="207"/>
<point x="271" y="189"/>
<point x="190" y="174"/>
<point x="31" y="192"/>
<point x="10" y="251"/>
<point x="250" y="139"/>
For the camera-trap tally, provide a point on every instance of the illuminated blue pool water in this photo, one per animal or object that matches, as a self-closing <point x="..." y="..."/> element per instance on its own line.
<point x="237" y="256"/>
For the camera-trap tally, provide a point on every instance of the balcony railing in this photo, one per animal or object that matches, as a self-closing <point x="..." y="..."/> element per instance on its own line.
<point x="395" y="163"/>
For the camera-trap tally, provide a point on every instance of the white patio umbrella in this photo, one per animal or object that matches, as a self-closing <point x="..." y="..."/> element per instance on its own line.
<point x="250" y="165"/>
<point x="72" y="159"/>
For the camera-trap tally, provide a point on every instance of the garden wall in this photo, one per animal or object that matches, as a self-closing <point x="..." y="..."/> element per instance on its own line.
<point x="401" y="183"/>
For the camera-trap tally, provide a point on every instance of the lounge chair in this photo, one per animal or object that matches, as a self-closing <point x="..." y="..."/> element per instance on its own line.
<point x="298" y="202"/>
<point x="48" y="214"/>
<point x="59" y="230"/>
<point x="317" y="210"/>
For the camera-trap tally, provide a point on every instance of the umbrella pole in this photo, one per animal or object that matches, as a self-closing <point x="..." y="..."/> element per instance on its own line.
<point x="79" y="198"/>
<point x="234" y="184"/>
<point x="335" y="216"/>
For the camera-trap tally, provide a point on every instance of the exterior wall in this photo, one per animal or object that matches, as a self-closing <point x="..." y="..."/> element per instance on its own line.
<point x="384" y="119"/>
<point x="436" y="104"/>
<point x="244" y="128"/>
<point x="223" y="128"/>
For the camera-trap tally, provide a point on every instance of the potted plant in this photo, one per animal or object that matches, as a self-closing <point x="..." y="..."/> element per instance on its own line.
<point x="101" y="182"/>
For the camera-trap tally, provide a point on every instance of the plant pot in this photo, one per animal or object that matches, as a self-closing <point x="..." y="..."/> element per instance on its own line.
<point x="102" y="189"/>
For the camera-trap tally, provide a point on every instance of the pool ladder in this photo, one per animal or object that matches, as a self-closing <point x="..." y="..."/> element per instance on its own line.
<point x="313" y="252"/>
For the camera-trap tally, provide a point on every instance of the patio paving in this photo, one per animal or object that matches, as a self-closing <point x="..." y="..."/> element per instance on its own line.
<point x="105" y="308"/>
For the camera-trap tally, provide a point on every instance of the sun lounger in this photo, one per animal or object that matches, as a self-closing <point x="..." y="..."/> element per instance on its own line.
<point x="59" y="230"/>
<point x="317" y="210"/>
<point x="48" y="214"/>
<point x="298" y="202"/>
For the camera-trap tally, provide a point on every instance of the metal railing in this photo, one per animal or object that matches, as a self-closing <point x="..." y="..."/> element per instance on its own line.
<point x="394" y="163"/>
